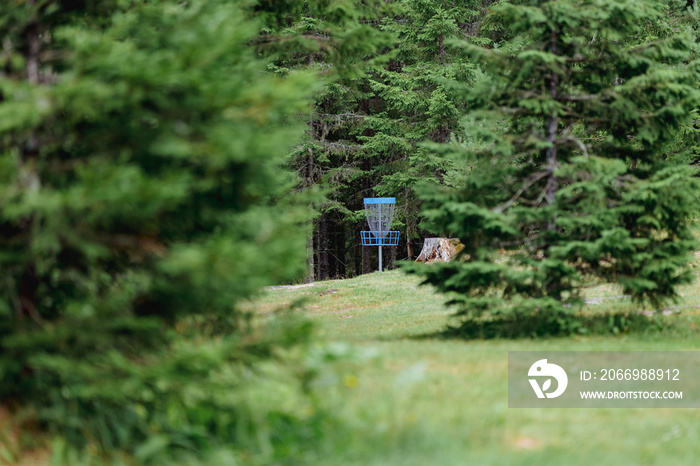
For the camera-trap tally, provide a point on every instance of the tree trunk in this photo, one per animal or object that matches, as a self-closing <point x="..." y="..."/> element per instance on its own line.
<point x="551" y="188"/>
<point x="323" y="247"/>
<point x="550" y="195"/>
<point x="333" y="263"/>
<point x="439" y="249"/>
<point x="339" y="251"/>
<point x="30" y="151"/>
<point x="391" y="264"/>
<point x="366" y="265"/>
<point x="310" y="250"/>
<point x="358" y="251"/>
<point x="309" y="180"/>
<point x="410" y="226"/>
<point x="29" y="178"/>
<point x="33" y="48"/>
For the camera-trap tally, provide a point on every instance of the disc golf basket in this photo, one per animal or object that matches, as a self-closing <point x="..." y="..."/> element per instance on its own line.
<point x="380" y="213"/>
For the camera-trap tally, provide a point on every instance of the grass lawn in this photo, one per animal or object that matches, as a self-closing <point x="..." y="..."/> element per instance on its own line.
<point x="408" y="399"/>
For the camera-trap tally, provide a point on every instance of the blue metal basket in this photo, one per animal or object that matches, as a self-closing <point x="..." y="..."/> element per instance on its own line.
<point x="380" y="238"/>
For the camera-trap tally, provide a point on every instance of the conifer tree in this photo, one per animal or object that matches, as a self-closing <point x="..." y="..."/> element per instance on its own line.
<point x="575" y="183"/>
<point x="142" y="198"/>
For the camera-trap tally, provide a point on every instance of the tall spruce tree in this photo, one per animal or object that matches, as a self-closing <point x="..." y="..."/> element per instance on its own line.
<point x="142" y="199"/>
<point x="575" y="183"/>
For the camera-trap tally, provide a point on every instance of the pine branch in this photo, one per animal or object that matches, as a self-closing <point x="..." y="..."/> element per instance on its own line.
<point x="532" y="179"/>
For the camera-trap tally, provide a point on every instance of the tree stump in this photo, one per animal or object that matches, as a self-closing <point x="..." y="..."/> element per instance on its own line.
<point x="439" y="249"/>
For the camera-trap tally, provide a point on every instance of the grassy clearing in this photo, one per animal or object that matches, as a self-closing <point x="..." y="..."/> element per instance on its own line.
<point x="411" y="400"/>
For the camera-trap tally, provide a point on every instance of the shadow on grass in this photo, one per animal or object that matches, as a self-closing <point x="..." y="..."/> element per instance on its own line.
<point x="513" y="326"/>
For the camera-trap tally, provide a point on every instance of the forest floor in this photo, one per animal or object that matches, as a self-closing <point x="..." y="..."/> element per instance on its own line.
<point x="408" y="396"/>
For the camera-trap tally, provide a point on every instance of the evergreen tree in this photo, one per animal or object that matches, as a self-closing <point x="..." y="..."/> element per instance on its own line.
<point x="142" y="199"/>
<point x="576" y="184"/>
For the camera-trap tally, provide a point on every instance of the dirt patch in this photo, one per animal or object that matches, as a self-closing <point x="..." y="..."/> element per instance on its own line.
<point x="291" y="287"/>
<point x="526" y="443"/>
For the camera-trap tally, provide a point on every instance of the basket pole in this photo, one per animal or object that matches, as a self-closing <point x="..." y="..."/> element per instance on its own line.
<point x="380" y="258"/>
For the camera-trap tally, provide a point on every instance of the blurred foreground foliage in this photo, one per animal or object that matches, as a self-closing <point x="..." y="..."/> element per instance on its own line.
<point x="141" y="199"/>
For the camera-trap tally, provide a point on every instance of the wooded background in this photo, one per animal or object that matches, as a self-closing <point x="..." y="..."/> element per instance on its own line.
<point x="398" y="87"/>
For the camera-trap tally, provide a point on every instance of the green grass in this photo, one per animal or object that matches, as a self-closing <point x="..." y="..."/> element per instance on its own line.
<point x="408" y="399"/>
